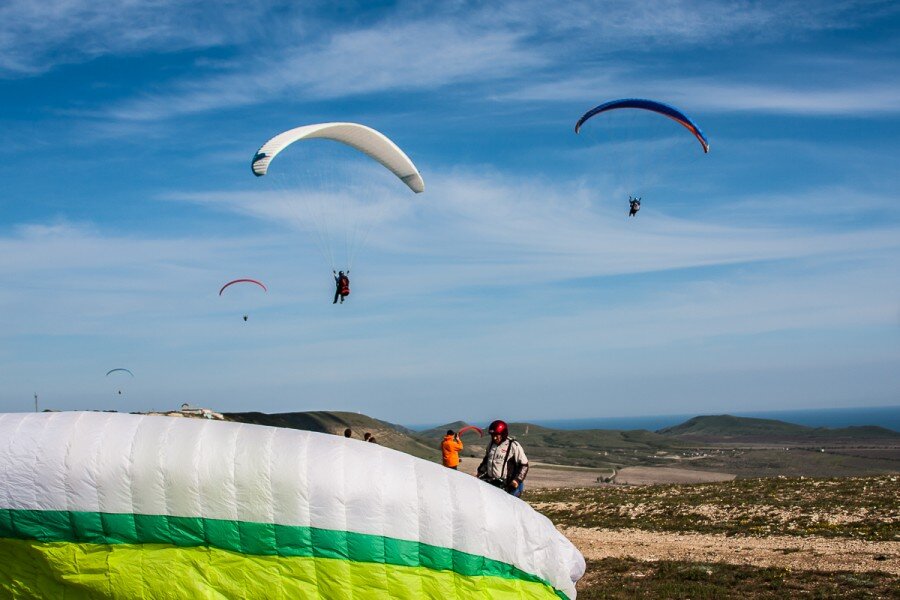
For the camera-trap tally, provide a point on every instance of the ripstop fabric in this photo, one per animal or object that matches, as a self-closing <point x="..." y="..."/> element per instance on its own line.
<point x="108" y="505"/>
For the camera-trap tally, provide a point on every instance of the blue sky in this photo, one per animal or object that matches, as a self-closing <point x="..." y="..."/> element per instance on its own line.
<point x="761" y="276"/>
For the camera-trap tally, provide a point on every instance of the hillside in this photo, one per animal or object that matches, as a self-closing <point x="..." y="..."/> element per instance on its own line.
<point x="596" y="448"/>
<point x="731" y="428"/>
<point x="386" y="434"/>
<point x="709" y="444"/>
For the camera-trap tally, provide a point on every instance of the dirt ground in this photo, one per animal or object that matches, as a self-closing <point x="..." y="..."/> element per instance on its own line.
<point x="548" y="476"/>
<point x="787" y="552"/>
<point x="653" y="475"/>
<point x="816" y="554"/>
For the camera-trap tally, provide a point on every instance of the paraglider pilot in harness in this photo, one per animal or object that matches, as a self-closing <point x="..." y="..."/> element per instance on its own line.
<point x="505" y="464"/>
<point x="635" y="206"/>
<point x="342" y="286"/>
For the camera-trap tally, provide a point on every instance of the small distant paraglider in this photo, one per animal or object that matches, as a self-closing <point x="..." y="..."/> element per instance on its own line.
<point x="242" y="281"/>
<point x="123" y="372"/>
<point x="468" y="428"/>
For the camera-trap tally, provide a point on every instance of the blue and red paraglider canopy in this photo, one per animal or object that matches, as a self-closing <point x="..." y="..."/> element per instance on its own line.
<point x="653" y="106"/>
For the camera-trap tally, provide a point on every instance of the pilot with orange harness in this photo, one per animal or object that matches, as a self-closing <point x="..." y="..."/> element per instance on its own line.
<point x="342" y="286"/>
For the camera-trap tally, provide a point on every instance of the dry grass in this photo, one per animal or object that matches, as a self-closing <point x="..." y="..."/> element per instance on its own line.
<point x="859" y="507"/>
<point x="615" y="578"/>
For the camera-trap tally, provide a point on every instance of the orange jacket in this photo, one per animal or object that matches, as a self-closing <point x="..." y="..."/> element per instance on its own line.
<point x="450" y="451"/>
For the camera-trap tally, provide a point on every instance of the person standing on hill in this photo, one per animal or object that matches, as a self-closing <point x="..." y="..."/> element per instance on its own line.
<point x="505" y="464"/>
<point x="450" y="447"/>
<point x="348" y="433"/>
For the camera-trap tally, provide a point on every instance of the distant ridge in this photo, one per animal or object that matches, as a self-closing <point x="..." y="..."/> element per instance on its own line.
<point x="731" y="427"/>
<point x="746" y="446"/>
<point x="335" y="422"/>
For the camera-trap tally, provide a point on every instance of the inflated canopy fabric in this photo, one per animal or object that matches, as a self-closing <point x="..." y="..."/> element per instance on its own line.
<point x="653" y="106"/>
<point x="365" y="139"/>
<point x="231" y="283"/>
<point x="119" y="370"/>
<point x="115" y="505"/>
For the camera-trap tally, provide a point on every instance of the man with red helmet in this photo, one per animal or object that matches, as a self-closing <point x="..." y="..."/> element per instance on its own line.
<point x="505" y="464"/>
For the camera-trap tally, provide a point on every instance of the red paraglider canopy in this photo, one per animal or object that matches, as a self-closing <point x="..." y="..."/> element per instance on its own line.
<point x="259" y="283"/>
<point x="471" y="428"/>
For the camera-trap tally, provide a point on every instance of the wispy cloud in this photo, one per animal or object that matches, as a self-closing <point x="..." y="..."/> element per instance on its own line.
<point x="858" y="100"/>
<point x="37" y="36"/>
<point x="547" y="250"/>
<point x="538" y="231"/>
<point x="844" y="96"/>
<point x="386" y="57"/>
<point x="643" y="24"/>
<point x="496" y="44"/>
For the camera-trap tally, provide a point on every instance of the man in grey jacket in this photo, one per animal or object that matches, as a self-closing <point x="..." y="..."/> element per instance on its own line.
<point x="505" y="464"/>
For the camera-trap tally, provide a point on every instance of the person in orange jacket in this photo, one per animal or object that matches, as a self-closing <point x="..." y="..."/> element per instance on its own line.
<point x="450" y="448"/>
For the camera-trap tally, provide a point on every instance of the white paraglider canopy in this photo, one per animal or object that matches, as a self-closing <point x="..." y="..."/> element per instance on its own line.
<point x="365" y="139"/>
<point x="328" y="179"/>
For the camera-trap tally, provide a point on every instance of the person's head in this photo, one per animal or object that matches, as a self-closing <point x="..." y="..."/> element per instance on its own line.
<point x="372" y="439"/>
<point x="367" y="436"/>
<point x="340" y="272"/>
<point x="450" y="432"/>
<point x="498" y="430"/>
<point x="348" y="432"/>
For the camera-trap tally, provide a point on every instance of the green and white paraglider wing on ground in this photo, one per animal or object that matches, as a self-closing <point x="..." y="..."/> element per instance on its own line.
<point x="99" y="505"/>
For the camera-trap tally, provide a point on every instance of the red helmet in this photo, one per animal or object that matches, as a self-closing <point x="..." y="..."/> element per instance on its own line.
<point x="500" y="427"/>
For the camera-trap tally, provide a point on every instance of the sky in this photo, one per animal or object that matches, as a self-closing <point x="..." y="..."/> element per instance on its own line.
<point x="760" y="276"/>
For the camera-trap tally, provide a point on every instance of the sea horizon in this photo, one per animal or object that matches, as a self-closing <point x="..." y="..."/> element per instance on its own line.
<point x="832" y="418"/>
